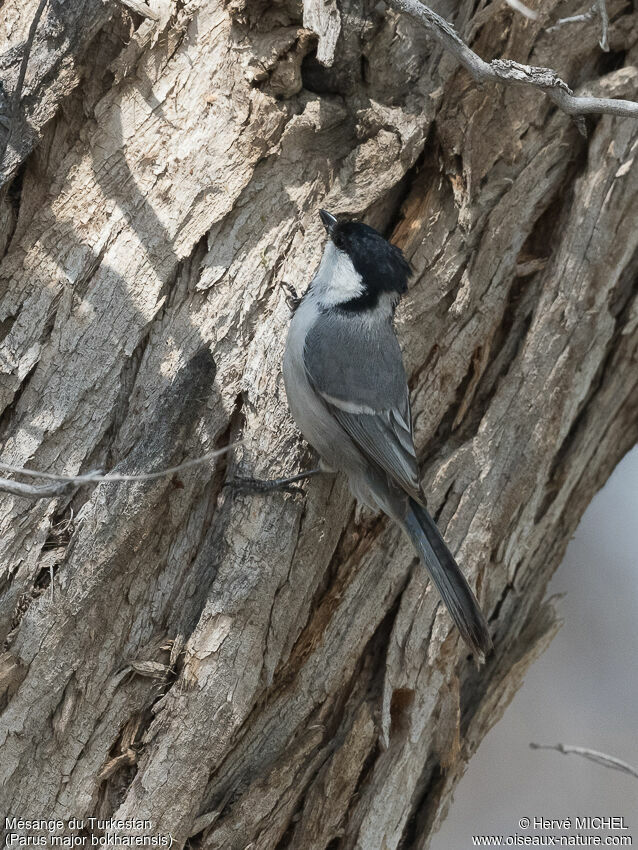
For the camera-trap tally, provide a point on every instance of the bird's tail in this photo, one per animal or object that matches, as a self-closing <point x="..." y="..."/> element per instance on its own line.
<point x="448" y="578"/>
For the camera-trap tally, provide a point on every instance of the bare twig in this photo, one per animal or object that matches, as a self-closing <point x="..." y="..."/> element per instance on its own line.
<point x="592" y="755"/>
<point x="507" y="72"/>
<point x="601" y="6"/>
<point x="17" y="92"/>
<point x="63" y="482"/>
<point x="30" y="491"/>
<point x="523" y="9"/>
<point x="582" y="18"/>
<point x="140" y="9"/>
<point x="598" y="10"/>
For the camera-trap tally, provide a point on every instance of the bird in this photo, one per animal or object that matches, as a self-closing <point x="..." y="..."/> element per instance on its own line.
<point x="347" y="391"/>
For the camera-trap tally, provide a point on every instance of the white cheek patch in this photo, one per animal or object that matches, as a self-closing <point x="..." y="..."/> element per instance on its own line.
<point x="337" y="280"/>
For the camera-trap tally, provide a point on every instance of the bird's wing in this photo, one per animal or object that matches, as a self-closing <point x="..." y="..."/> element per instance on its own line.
<point x="357" y="369"/>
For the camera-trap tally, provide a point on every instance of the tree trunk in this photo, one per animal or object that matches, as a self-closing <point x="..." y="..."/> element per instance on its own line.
<point x="276" y="671"/>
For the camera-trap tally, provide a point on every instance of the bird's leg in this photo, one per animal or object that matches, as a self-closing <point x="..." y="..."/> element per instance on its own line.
<point x="285" y="485"/>
<point x="292" y="299"/>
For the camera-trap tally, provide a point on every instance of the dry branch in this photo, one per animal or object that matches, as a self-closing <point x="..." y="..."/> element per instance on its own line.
<point x="507" y="72"/>
<point x="66" y="481"/>
<point x="28" y="491"/>
<point x="592" y="755"/>
<point x="524" y="10"/>
<point x="601" y="6"/>
<point x="581" y="18"/>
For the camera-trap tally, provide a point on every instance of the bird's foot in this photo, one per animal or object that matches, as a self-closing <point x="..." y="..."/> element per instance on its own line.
<point x="292" y="299"/>
<point x="282" y="485"/>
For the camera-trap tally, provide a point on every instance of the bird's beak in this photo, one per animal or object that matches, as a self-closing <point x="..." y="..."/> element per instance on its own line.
<point x="328" y="220"/>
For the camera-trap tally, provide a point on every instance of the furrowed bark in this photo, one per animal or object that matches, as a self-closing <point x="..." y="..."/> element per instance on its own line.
<point x="273" y="671"/>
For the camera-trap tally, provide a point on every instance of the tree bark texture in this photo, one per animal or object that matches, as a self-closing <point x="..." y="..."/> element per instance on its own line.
<point x="275" y="671"/>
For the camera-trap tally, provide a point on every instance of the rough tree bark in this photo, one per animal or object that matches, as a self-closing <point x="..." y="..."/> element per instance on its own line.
<point x="276" y="672"/>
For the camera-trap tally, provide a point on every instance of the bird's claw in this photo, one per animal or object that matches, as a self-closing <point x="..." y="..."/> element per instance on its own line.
<point x="292" y="299"/>
<point x="259" y="485"/>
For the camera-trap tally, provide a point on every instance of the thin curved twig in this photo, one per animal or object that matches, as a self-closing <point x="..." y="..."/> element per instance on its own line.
<point x="63" y="482"/>
<point x="601" y="6"/>
<point x="593" y="755"/>
<point x="524" y="10"/>
<point x="581" y="18"/>
<point x="30" y="491"/>
<point x="505" y="71"/>
<point x="598" y="10"/>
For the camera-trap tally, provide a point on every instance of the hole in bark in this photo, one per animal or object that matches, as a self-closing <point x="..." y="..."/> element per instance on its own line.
<point x="343" y="77"/>
<point x="400" y="708"/>
<point x="317" y="78"/>
<point x="43" y="578"/>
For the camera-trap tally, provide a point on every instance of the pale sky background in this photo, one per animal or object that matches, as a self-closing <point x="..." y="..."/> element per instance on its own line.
<point x="583" y="691"/>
